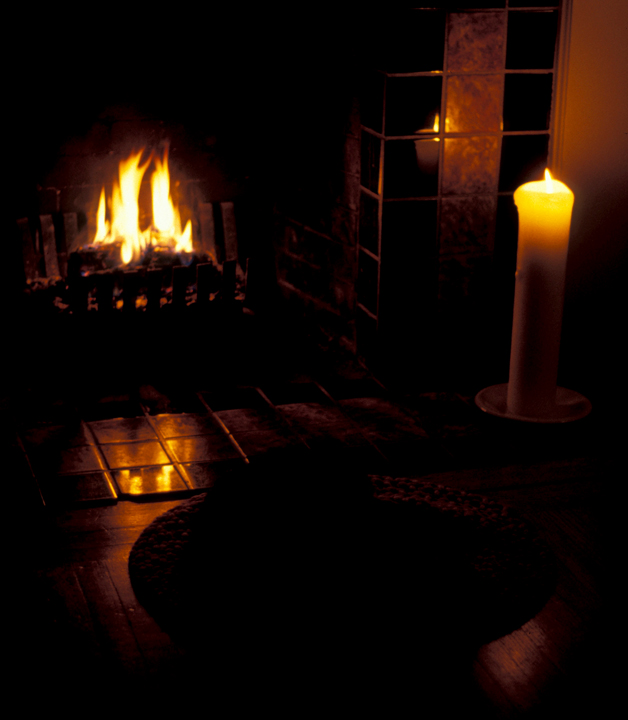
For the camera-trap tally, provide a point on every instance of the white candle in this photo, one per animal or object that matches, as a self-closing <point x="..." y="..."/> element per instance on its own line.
<point x="544" y="221"/>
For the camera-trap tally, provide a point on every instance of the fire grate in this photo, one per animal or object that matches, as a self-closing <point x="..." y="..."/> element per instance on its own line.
<point x="63" y="275"/>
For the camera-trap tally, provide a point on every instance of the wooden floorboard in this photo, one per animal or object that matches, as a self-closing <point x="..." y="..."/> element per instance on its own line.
<point x="80" y="625"/>
<point x="92" y="604"/>
<point x="111" y="626"/>
<point x="158" y="650"/>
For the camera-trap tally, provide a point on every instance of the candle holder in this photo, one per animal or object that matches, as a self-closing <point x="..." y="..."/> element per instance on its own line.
<point x="570" y="405"/>
<point x="531" y="393"/>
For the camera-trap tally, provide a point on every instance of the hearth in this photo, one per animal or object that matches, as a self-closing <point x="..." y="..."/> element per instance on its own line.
<point x="350" y="180"/>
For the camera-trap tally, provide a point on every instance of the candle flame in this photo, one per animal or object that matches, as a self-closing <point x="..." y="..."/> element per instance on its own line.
<point x="436" y="122"/>
<point x="549" y="182"/>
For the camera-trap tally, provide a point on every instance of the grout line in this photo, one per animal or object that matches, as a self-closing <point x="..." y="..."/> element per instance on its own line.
<point x="102" y="462"/>
<point x="169" y="452"/>
<point x="350" y="420"/>
<point x="224" y="428"/>
<point x="30" y="467"/>
<point x="283" y="420"/>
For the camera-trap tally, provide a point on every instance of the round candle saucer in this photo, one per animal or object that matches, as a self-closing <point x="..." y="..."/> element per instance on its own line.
<point x="570" y="405"/>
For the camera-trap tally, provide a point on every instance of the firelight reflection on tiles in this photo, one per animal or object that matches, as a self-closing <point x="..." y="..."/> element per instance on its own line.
<point x="141" y="481"/>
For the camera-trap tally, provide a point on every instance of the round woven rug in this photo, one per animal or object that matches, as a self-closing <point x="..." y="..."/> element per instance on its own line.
<point x="406" y="565"/>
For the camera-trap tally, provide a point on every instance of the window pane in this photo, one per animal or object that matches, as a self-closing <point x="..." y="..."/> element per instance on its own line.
<point x="412" y="41"/>
<point x="412" y="105"/>
<point x="527" y="102"/>
<point x="368" y="271"/>
<point x="524" y="158"/>
<point x="369" y="170"/>
<point x="531" y="40"/>
<point x="411" y="168"/>
<point x="369" y="223"/>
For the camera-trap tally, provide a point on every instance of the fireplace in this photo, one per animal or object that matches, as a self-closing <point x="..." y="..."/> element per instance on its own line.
<point x="371" y="184"/>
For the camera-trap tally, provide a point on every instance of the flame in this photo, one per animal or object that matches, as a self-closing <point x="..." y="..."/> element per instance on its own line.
<point x="125" y="211"/>
<point x="166" y="218"/>
<point x="163" y="210"/>
<point x="125" y="226"/>
<point x="436" y="122"/>
<point x="549" y="182"/>
<point x="102" y="226"/>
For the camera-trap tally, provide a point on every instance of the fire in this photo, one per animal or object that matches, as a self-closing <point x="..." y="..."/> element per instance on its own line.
<point x="125" y="211"/>
<point x="166" y="219"/>
<point x="124" y="225"/>
<point x="549" y="182"/>
<point x="102" y="226"/>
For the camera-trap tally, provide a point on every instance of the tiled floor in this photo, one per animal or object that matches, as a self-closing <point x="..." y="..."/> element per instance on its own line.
<point x="123" y="447"/>
<point x="144" y="454"/>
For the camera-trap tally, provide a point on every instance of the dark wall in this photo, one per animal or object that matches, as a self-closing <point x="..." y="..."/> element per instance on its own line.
<point x="254" y="81"/>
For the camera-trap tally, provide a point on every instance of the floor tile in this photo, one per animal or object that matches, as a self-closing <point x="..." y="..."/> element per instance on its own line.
<point x="149" y="480"/>
<point x="172" y="426"/>
<point x="248" y="420"/>
<point x="158" y="400"/>
<point x="341" y="389"/>
<point x="203" y="448"/>
<point x="108" y="409"/>
<point x="67" y="490"/>
<point x="134" y="454"/>
<point x="62" y="436"/>
<point x="52" y="461"/>
<point x="291" y="393"/>
<point x="313" y="417"/>
<point x="434" y="410"/>
<point x="204" y="475"/>
<point x="234" y="398"/>
<point x="381" y="414"/>
<point x="256" y="443"/>
<point x="122" y="430"/>
<point x="45" y="406"/>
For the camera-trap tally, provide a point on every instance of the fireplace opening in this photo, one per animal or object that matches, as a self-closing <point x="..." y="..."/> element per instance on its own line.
<point x="252" y="118"/>
<point x="352" y="181"/>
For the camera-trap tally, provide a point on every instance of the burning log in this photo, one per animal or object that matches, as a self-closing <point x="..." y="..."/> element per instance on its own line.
<point x="95" y="258"/>
<point x="126" y="268"/>
<point x="97" y="281"/>
<point x="160" y="256"/>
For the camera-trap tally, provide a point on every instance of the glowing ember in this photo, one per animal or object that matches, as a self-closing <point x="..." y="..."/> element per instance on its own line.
<point x="124" y="226"/>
